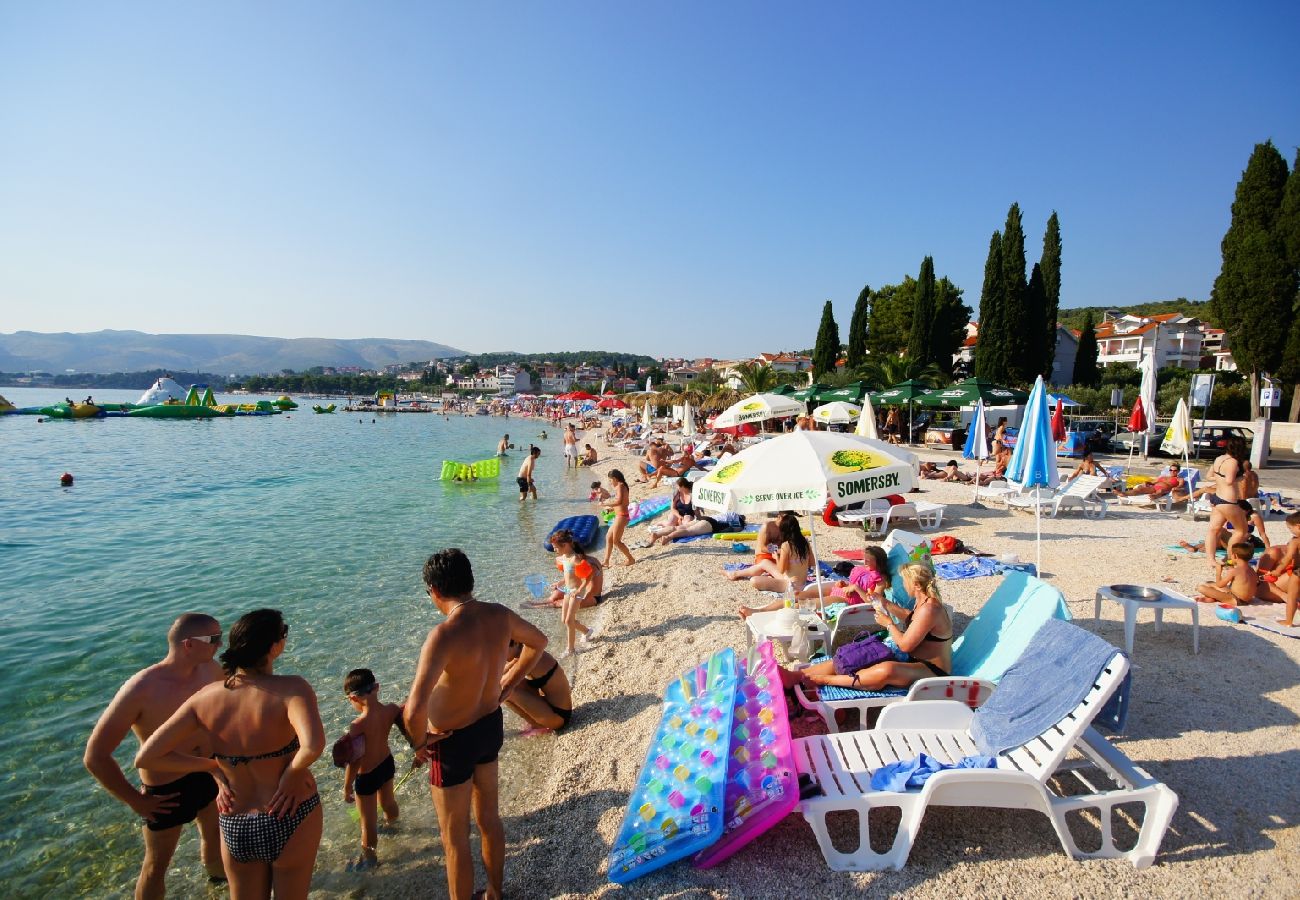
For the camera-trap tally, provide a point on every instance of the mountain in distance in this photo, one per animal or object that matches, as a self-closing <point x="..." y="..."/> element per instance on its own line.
<point x="233" y="354"/>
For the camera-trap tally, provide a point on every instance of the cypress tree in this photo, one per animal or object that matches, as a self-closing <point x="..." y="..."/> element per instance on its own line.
<point x="1018" y="322"/>
<point x="1085" y="359"/>
<point x="857" y="351"/>
<point x="1051" y="265"/>
<point x="1288" y="226"/>
<point x="920" y="345"/>
<point x="1256" y="288"/>
<point x="990" y="349"/>
<point x="950" y="318"/>
<point x="827" y="349"/>
<point x="1035" y="310"/>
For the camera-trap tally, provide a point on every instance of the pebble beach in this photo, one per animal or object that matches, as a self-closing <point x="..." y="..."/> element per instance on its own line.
<point x="1219" y="728"/>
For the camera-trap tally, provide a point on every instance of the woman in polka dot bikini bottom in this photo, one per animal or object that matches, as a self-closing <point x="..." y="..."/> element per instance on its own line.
<point x="269" y="808"/>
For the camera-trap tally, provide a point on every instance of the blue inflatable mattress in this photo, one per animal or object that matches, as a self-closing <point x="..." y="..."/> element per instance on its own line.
<point x="584" y="528"/>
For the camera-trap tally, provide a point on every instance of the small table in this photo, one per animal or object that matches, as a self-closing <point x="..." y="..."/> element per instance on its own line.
<point x="1168" y="600"/>
<point x="765" y="626"/>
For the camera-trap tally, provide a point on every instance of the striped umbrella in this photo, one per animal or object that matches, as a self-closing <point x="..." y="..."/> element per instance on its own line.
<point x="1033" y="462"/>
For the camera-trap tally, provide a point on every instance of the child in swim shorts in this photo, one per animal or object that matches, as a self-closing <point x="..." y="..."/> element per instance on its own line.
<point x="370" y="766"/>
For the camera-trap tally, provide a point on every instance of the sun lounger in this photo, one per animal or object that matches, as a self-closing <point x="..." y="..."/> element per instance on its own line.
<point x="1031" y="775"/>
<point x="992" y="641"/>
<point x="997" y="491"/>
<point x="876" y="516"/>
<point x="1081" y="494"/>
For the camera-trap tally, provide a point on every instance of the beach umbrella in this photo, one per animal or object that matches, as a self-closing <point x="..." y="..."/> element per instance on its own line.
<point x="808" y="394"/>
<point x="784" y="390"/>
<point x="1061" y="399"/>
<point x="849" y="393"/>
<point x="1137" y="423"/>
<point x="1178" y="437"/>
<point x="688" y="420"/>
<point x="612" y="403"/>
<point x="965" y="393"/>
<point x="647" y="417"/>
<point x="602" y="391"/>
<point x="758" y="408"/>
<point x="1033" y="462"/>
<point x="977" y="445"/>
<point x="577" y="395"/>
<point x="801" y="470"/>
<point x="867" y="421"/>
<point x="837" y="413"/>
<point x="1147" y="391"/>
<point x="1058" y="422"/>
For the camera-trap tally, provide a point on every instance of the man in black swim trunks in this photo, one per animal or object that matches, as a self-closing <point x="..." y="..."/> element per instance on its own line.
<point x="463" y="674"/>
<point x="142" y="705"/>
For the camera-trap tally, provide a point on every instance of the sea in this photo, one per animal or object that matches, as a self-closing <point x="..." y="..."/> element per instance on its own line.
<point x="328" y="518"/>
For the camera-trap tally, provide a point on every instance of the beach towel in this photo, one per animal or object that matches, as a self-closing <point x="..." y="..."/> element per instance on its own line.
<point x="979" y="567"/>
<point x="910" y="774"/>
<point x="1052" y="676"/>
<point x="1266" y="621"/>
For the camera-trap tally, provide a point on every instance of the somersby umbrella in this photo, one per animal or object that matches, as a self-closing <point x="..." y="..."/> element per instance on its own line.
<point x="800" y="471"/>
<point x="1033" y="462"/>
<point x="837" y="413"/>
<point x="758" y="408"/>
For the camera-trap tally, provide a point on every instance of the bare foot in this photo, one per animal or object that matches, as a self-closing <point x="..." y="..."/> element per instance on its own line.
<point x="1285" y="622"/>
<point x="1201" y="598"/>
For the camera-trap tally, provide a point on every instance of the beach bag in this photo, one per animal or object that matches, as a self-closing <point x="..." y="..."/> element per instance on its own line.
<point x="800" y="643"/>
<point x="865" y="651"/>
<point x="946" y="543"/>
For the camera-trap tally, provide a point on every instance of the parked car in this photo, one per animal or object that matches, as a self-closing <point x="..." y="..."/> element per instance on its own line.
<point x="1209" y="441"/>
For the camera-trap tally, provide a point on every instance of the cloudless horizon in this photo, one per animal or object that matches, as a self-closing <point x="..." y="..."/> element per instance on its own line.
<point x="672" y="179"/>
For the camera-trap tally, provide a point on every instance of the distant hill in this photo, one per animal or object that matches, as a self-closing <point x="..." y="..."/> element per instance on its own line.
<point x="1200" y="309"/>
<point x="231" y="354"/>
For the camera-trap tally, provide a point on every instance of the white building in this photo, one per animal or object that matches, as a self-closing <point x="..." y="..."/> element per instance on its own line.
<point x="1176" y="340"/>
<point x="1216" y="347"/>
<point x="1067" y="348"/>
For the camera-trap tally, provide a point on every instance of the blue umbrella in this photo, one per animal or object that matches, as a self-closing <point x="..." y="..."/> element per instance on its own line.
<point x="1033" y="462"/>
<point x="977" y="443"/>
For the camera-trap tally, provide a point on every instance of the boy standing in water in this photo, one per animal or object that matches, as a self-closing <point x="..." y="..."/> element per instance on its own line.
<point x="525" y="479"/>
<point x="142" y="705"/>
<point x="463" y="673"/>
<point x="373" y="773"/>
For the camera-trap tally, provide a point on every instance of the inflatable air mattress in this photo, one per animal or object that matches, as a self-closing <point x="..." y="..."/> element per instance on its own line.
<point x="641" y="510"/>
<point x="676" y="807"/>
<point x="584" y="528"/>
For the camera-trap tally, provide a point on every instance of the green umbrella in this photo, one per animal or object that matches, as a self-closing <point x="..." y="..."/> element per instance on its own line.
<point x="784" y="390"/>
<point x="965" y="393"/>
<point x="903" y="392"/>
<point x="850" y="393"/>
<point x="804" y="395"/>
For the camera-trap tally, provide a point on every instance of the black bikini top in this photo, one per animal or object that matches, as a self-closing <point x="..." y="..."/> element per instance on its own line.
<point x="291" y="747"/>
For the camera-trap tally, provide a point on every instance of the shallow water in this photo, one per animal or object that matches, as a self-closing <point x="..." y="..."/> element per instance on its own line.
<point x="328" y="518"/>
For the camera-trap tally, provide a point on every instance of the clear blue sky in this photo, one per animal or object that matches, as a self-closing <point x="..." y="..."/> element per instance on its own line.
<point x="670" y="178"/>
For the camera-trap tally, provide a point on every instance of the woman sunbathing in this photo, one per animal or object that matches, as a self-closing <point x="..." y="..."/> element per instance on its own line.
<point x="787" y="571"/>
<point x="1163" y="484"/>
<point x="927" y="641"/>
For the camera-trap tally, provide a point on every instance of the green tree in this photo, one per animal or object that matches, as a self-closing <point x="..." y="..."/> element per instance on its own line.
<point x="827" y="349"/>
<point x="1021" y="335"/>
<point x="951" y="316"/>
<point x="1051" y="266"/>
<point x="920" y="342"/>
<point x="883" y="371"/>
<point x="1289" y="228"/>
<point x="756" y="377"/>
<point x="857" y="349"/>
<point x="991" y="348"/>
<point x="1256" y="288"/>
<point x="1038" y="359"/>
<point x="1085" y="358"/>
<point x="891" y="313"/>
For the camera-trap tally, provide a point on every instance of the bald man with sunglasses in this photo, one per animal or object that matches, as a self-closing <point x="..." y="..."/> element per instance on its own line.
<point x="142" y="705"/>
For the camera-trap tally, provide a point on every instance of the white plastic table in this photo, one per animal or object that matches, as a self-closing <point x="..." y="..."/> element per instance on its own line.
<point x="1169" y="599"/>
<point x="766" y="626"/>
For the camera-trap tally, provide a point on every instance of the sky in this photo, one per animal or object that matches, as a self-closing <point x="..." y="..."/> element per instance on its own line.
<point x="669" y="178"/>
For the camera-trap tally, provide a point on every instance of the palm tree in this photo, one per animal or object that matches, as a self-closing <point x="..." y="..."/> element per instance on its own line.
<point x="708" y="382"/>
<point x="883" y="370"/>
<point x="757" y="378"/>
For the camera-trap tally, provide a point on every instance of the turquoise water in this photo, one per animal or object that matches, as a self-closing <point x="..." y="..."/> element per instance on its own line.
<point x="327" y="518"/>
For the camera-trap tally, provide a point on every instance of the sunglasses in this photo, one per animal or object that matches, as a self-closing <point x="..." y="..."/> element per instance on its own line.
<point x="213" y="639"/>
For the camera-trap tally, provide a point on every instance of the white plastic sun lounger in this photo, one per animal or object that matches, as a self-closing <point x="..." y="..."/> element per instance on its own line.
<point x="877" y="516"/>
<point x="1081" y="494"/>
<point x="842" y="765"/>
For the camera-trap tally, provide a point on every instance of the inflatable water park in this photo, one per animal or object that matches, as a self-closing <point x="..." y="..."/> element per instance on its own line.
<point x="165" y="400"/>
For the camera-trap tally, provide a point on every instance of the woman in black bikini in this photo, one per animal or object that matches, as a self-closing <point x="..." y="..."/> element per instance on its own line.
<point x="928" y="640"/>
<point x="270" y="812"/>
<point x="683" y="512"/>
<point x="1226" y="505"/>
<point x="544" y="700"/>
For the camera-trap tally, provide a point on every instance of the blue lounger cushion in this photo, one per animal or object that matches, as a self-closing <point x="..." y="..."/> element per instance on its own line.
<point x="584" y="528"/>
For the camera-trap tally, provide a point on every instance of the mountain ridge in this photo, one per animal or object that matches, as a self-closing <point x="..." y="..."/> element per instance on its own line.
<point x="235" y="354"/>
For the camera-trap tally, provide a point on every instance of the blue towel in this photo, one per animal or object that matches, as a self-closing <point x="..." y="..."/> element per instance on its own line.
<point x="1056" y="671"/>
<point x="910" y="774"/>
<point x="691" y="538"/>
<point x="735" y="566"/>
<point x="979" y="567"/>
